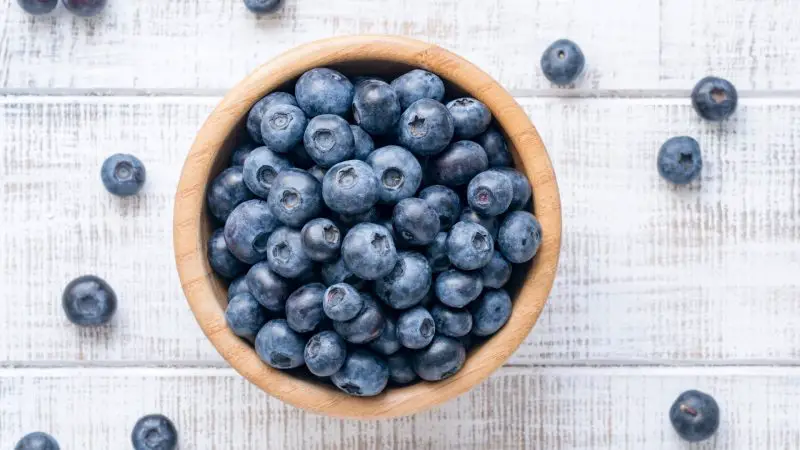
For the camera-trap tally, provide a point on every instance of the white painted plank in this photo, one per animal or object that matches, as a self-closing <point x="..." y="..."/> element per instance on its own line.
<point x="548" y="409"/>
<point x="648" y="272"/>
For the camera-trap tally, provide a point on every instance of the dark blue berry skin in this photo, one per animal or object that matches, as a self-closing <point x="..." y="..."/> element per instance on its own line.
<point x="245" y="316"/>
<point x="347" y="221"/>
<point x="490" y="312"/>
<point x="329" y="140"/>
<point x="363" y="141"/>
<point x="37" y="440"/>
<point x="416" y="85"/>
<point x="496" y="148"/>
<point x="123" y="174"/>
<point x="221" y="259"/>
<point x="520" y="237"/>
<point x="679" y="160"/>
<point x="442" y="359"/>
<point x="425" y="128"/>
<point x="562" y="62"/>
<point x="521" y="187"/>
<point x="401" y="371"/>
<point x="247" y="230"/>
<point x="387" y="343"/>
<point x="376" y="107"/>
<point x="37" y="7"/>
<point x="415" y="221"/>
<point x="342" y="302"/>
<point x="285" y="254"/>
<point x="321" y="240"/>
<point x="337" y="272"/>
<point x="451" y="322"/>
<point x="304" y="308"/>
<point x="154" y="432"/>
<point x="364" y="374"/>
<point x="241" y="152"/>
<point x="436" y="253"/>
<point x="282" y="127"/>
<point x="260" y="169"/>
<point x="280" y="346"/>
<point x="258" y="110"/>
<point x="324" y="91"/>
<point x="457" y="289"/>
<point x="300" y="158"/>
<point x="714" y="98"/>
<point x="85" y="8"/>
<point x="366" y="326"/>
<point x="295" y="197"/>
<point x="695" y="416"/>
<point x="368" y="251"/>
<point x="470" y="117"/>
<point x="490" y="223"/>
<point x="226" y="192"/>
<point x="445" y="202"/>
<point x="398" y="171"/>
<point x="415" y="328"/>
<point x="238" y="286"/>
<point x="490" y="193"/>
<point x="89" y="301"/>
<point x="318" y="173"/>
<point x="263" y="6"/>
<point x="350" y="187"/>
<point x="458" y="164"/>
<point x="497" y="273"/>
<point x="325" y="353"/>
<point x="406" y="285"/>
<point x="469" y="246"/>
<point x="267" y="287"/>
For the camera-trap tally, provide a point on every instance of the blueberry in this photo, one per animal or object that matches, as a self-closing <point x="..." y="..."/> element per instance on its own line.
<point x="89" y="301"/>
<point x="321" y="240"/>
<point x="398" y="172"/>
<point x="497" y="273"/>
<point x="363" y="142"/>
<point x="401" y="371"/>
<point x="337" y="272"/>
<point x="342" y="302"/>
<point x="350" y="187"/>
<point x="490" y="193"/>
<point x="490" y="312"/>
<point x="37" y="7"/>
<point x="123" y="174"/>
<point x="238" y="286"/>
<point x="425" y="128"/>
<point x="226" y="192"/>
<point x="415" y="221"/>
<point x="348" y="221"/>
<point x="469" y="246"/>
<point x="519" y="237"/>
<point x="324" y="91"/>
<point x="376" y="108"/>
<point x="267" y="287"/>
<point x="257" y="111"/>
<point x="329" y="140"/>
<point x="325" y="353"/>
<point x="300" y="157"/>
<point x="416" y="85"/>
<point x="415" y="328"/>
<point x="368" y="251"/>
<point x="428" y="300"/>
<point x="562" y="62"/>
<point x="241" y="152"/>
<point x="245" y="316"/>
<point x="695" y="416"/>
<point x="496" y="148"/>
<point x="407" y="283"/>
<point x="442" y="359"/>
<point x="387" y="343"/>
<point x="451" y="322"/>
<point x="285" y="254"/>
<point x="456" y="288"/>
<point x="520" y="185"/>
<point x="85" y="8"/>
<point x="470" y="117"/>
<point x="364" y="374"/>
<point x="445" y="202"/>
<point x="458" y="164"/>
<point x="436" y="253"/>
<point x="318" y="172"/>
<point x="679" y="160"/>
<point x="221" y="259"/>
<point x="263" y="6"/>
<point x="154" y="432"/>
<point x="304" y="308"/>
<point x="247" y="230"/>
<point x="282" y="127"/>
<point x="358" y="80"/>
<point x="295" y="197"/>
<point x="490" y="223"/>
<point x="280" y="346"/>
<point x="714" y="98"/>
<point x="37" y="440"/>
<point x="366" y="326"/>
<point x="260" y="170"/>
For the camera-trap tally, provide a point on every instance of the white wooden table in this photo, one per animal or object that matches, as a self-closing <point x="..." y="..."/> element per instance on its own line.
<point x="659" y="289"/>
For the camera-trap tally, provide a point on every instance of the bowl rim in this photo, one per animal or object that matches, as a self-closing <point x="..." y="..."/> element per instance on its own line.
<point x="203" y="291"/>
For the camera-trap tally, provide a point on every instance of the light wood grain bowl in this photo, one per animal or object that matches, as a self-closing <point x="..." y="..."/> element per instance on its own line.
<point x="210" y="153"/>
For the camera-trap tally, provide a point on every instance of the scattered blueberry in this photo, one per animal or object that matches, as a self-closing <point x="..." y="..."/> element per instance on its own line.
<point x="329" y="140"/>
<point x="89" y="301"/>
<point x="245" y="316"/>
<point x="407" y="283"/>
<point x="368" y="251"/>
<point x="520" y="237"/>
<point x="85" y="8"/>
<point x="226" y="192"/>
<point x="490" y="312"/>
<point x="398" y="172"/>
<point x="456" y="288"/>
<point x="496" y="148"/>
<point x="324" y="91"/>
<point x="321" y="240"/>
<point x="387" y="343"/>
<point x="436" y="253"/>
<point x="366" y="326"/>
<point x="257" y="112"/>
<point x="318" y="172"/>
<point x="263" y="6"/>
<point x="497" y="273"/>
<point x="364" y="374"/>
<point x="337" y="272"/>
<point x="679" y="160"/>
<point x="490" y="223"/>
<point x="363" y="142"/>
<point x="347" y="221"/>
<point x="325" y="353"/>
<point x="415" y="328"/>
<point x="416" y="85"/>
<point x="442" y="359"/>
<point x="470" y="117"/>
<point x="37" y="7"/>
<point x="445" y="202"/>
<point x="714" y="98"/>
<point x="469" y="246"/>
<point x="37" y="440"/>
<point x="401" y="371"/>
<point x="260" y="169"/>
<point x="425" y="128"/>
<point x="451" y="322"/>
<point x="415" y="221"/>
<point x="376" y="108"/>
<point x="247" y="230"/>
<point x="342" y="302"/>
<point x="154" y="432"/>
<point x="520" y="185"/>
<point x="282" y="127"/>
<point x="458" y="164"/>
<point x="267" y="287"/>
<point x="221" y="259"/>
<point x="695" y="416"/>
<point x="562" y="62"/>
<point x="241" y="152"/>
<point x="304" y="308"/>
<point x="490" y="193"/>
<point x="123" y="174"/>
<point x="238" y="286"/>
<point x="285" y="254"/>
<point x="350" y="187"/>
<point x="279" y="346"/>
<point x="295" y="197"/>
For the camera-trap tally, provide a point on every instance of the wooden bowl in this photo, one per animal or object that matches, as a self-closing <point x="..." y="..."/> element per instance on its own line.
<point x="210" y="153"/>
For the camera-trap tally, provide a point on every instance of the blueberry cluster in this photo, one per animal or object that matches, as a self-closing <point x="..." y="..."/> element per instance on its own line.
<point x="85" y="8"/>
<point x="369" y="229"/>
